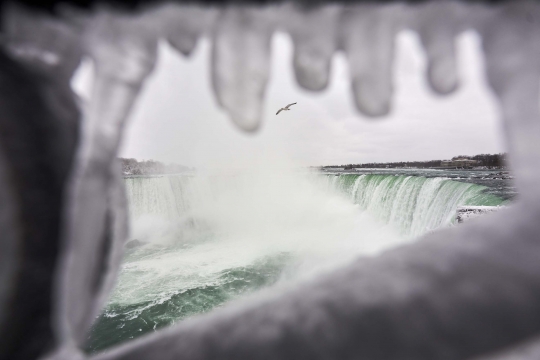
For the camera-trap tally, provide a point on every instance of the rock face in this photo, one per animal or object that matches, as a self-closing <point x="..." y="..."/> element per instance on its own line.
<point x="466" y="213"/>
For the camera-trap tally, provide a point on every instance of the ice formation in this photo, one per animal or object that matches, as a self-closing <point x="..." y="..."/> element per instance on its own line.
<point x="460" y="293"/>
<point x="466" y="213"/>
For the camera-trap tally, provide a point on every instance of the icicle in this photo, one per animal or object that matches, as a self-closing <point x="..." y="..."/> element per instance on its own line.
<point x="368" y="33"/>
<point x="512" y="53"/>
<point x="44" y="42"/>
<point x="124" y="51"/>
<point x="118" y="233"/>
<point x="438" y="25"/>
<point x="314" y="35"/>
<point x="184" y="24"/>
<point x="10" y="243"/>
<point x="241" y="63"/>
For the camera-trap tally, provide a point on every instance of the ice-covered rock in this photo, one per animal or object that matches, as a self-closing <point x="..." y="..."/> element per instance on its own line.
<point x="466" y="213"/>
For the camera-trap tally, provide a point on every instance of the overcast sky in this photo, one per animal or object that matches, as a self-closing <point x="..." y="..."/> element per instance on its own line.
<point x="177" y="118"/>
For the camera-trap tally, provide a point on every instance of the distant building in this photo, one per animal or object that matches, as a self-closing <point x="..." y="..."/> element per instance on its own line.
<point x="459" y="163"/>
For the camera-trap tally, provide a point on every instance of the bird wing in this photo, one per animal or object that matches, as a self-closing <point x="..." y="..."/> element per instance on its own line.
<point x="280" y="110"/>
<point x="286" y="107"/>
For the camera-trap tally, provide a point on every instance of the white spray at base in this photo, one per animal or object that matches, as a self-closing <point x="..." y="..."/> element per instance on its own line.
<point x="215" y="223"/>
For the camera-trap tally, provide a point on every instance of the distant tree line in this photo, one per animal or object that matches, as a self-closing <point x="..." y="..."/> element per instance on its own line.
<point x="484" y="160"/>
<point x="150" y="167"/>
<point x="489" y="160"/>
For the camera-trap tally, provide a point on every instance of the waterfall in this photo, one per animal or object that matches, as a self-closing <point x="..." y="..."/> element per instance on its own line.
<point x="161" y="208"/>
<point x="162" y="195"/>
<point x="412" y="204"/>
<point x="212" y="239"/>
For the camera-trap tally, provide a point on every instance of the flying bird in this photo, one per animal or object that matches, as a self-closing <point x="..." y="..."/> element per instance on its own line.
<point x="285" y="108"/>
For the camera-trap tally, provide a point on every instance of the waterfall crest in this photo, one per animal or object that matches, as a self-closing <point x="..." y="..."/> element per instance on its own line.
<point x="413" y="205"/>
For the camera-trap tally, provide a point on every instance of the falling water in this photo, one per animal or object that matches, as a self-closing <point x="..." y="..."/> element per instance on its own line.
<point x="413" y="205"/>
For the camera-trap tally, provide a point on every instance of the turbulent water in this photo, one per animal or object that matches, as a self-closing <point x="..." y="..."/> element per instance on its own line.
<point x="205" y="240"/>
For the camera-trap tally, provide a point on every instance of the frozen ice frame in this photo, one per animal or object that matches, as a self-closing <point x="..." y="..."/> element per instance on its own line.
<point x="459" y="293"/>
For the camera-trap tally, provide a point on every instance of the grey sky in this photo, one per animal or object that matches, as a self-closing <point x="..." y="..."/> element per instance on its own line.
<point x="178" y="120"/>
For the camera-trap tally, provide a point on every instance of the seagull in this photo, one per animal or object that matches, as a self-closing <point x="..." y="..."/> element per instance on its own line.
<point x="285" y="108"/>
